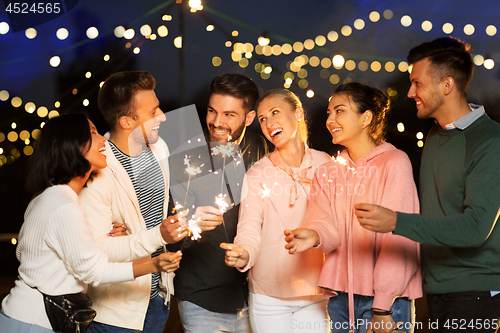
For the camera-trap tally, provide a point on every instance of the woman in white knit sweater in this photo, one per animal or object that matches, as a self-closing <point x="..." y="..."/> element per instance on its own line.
<point x="56" y="249"/>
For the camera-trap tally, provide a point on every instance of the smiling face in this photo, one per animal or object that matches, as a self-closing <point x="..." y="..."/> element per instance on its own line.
<point x="95" y="154"/>
<point x="148" y="117"/>
<point x="227" y="118"/>
<point x="344" y="122"/>
<point x="425" y="90"/>
<point x="279" y="120"/>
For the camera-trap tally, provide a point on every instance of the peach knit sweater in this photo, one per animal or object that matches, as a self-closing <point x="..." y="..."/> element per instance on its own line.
<point x="265" y="212"/>
<point x="359" y="261"/>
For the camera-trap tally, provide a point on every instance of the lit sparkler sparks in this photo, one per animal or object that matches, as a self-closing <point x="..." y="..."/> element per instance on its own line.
<point x="342" y="161"/>
<point x="266" y="191"/>
<point x="220" y="200"/>
<point x="192" y="171"/>
<point x="223" y="205"/>
<point x="194" y="229"/>
<point x="227" y="150"/>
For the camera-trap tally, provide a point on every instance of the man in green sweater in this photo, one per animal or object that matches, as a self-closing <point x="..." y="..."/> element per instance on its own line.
<point x="459" y="193"/>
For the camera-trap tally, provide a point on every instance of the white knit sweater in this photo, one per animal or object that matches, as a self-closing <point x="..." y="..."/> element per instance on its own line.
<point x="58" y="255"/>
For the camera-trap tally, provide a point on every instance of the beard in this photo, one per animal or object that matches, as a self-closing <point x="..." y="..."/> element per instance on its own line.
<point x="432" y="104"/>
<point x="234" y="135"/>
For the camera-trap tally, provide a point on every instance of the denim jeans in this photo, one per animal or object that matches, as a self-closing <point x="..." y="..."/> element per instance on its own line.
<point x="472" y="311"/>
<point x="11" y="325"/>
<point x="196" y="319"/>
<point x="156" y="318"/>
<point x="338" y="310"/>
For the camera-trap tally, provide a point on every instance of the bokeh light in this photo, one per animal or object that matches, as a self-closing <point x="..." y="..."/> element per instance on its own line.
<point x="4" y="28"/>
<point x="30" y="33"/>
<point x="406" y="21"/>
<point x="491" y="30"/>
<point x="448" y="28"/>
<point x="129" y="34"/>
<point x="16" y="101"/>
<point x="216" y="61"/>
<point x="346" y="30"/>
<point x="42" y="112"/>
<point x="4" y="95"/>
<point x="374" y="16"/>
<point x="62" y="33"/>
<point x="55" y="61"/>
<point x="92" y="32"/>
<point x="332" y="36"/>
<point x="478" y="60"/>
<point x="119" y="31"/>
<point x="30" y="107"/>
<point x="146" y="30"/>
<point x="469" y="29"/>
<point x="489" y="63"/>
<point x="359" y="24"/>
<point x="426" y="26"/>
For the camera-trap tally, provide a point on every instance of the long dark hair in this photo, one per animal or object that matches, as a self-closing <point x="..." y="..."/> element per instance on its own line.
<point x="59" y="152"/>
<point x="368" y="98"/>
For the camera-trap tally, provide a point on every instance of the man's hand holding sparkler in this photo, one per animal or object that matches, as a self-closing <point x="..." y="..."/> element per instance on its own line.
<point x="376" y="218"/>
<point x="173" y="228"/>
<point x="236" y="256"/>
<point x="207" y="218"/>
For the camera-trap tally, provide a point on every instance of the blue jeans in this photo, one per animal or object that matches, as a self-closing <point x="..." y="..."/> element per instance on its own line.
<point x="196" y="319"/>
<point x="156" y="318"/>
<point x="338" y="310"/>
<point x="11" y="325"/>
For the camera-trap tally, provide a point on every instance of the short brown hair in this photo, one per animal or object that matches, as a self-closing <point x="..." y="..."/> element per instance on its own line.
<point x="449" y="57"/>
<point x="115" y="98"/>
<point x="238" y="86"/>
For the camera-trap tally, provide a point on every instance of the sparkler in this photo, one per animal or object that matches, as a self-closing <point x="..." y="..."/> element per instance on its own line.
<point x="342" y="161"/>
<point x="191" y="171"/>
<point x="223" y="205"/>
<point x="266" y="193"/>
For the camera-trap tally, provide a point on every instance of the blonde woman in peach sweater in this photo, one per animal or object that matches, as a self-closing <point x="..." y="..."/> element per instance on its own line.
<point x="284" y="296"/>
<point x="372" y="278"/>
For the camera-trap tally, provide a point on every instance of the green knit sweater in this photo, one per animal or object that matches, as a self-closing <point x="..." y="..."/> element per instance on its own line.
<point x="460" y="204"/>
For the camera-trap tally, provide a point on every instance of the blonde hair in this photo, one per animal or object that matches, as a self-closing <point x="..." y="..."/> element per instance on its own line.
<point x="294" y="101"/>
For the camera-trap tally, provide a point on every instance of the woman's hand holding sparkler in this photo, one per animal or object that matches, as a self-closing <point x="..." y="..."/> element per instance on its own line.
<point x="300" y="240"/>
<point x="236" y="256"/>
<point x="168" y="262"/>
<point x="173" y="228"/>
<point x="207" y="217"/>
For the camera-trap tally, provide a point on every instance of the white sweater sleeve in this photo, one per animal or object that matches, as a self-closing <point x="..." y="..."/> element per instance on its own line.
<point x="69" y="235"/>
<point x="117" y="272"/>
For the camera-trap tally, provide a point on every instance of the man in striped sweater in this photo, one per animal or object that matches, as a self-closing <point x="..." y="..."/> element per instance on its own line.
<point x="132" y="190"/>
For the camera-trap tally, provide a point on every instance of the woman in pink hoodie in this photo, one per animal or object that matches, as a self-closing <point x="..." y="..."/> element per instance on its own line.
<point x="284" y="295"/>
<point x="372" y="278"/>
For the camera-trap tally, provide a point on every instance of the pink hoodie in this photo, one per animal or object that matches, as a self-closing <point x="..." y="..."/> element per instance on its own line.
<point x="359" y="261"/>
